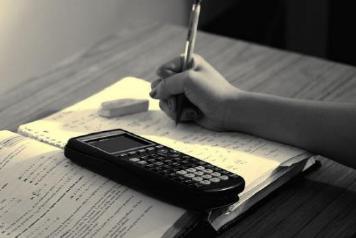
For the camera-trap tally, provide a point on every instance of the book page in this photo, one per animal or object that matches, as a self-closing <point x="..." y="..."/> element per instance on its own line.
<point x="248" y="156"/>
<point x="43" y="194"/>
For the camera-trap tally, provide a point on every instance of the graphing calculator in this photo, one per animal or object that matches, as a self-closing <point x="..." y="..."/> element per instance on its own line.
<point x="155" y="169"/>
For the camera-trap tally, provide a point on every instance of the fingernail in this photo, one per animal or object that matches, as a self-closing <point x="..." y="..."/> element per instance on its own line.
<point x="155" y="83"/>
<point x="153" y="93"/>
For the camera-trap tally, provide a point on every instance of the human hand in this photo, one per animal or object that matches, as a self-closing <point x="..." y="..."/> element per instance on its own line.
<point x="204" y="86"/>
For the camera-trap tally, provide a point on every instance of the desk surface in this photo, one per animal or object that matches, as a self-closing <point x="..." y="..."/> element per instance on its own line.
<point x="322" y="204"/>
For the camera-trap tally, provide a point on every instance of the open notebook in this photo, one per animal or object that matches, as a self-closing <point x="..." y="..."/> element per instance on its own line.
<point x="263" y="164"/>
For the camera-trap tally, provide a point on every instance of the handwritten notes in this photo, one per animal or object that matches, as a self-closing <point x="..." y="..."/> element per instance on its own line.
<point x="246" y="155"/>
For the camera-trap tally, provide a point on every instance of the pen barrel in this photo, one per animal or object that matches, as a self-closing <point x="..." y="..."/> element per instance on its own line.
<point x="183" y="105"/>
<point x="192" y="35"/>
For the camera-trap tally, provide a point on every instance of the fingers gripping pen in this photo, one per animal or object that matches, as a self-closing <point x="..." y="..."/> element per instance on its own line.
<point x="181" y="101"/>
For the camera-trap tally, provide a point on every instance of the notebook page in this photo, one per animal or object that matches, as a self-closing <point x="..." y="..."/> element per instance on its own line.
<point x="43" y="194"/>
<point x="245" y="155"/>
<point x="221" y="217"/>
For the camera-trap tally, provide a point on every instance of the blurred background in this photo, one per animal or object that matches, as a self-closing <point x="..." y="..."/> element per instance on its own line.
<point x="37" y="34"/>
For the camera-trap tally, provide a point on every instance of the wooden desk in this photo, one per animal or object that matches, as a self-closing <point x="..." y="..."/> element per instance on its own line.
<point x="321" y="205"/>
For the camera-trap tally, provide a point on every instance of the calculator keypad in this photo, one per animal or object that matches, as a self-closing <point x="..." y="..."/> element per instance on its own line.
<point x="178" y="167"/>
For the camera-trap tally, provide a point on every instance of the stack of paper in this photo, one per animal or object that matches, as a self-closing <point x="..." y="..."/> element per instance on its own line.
<point x="260" y="162"/>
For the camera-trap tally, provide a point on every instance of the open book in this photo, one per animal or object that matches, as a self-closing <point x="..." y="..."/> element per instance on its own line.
<point x="42" y="194"/>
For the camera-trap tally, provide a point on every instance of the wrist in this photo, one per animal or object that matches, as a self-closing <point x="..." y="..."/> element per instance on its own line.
<point x="239" y="111"/>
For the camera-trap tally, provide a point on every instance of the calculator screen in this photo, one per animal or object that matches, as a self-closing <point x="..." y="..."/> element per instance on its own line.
<point x="118" y="143"/>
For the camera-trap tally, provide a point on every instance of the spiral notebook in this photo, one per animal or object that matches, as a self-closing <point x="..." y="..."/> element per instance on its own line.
<point x="265" y="165"/>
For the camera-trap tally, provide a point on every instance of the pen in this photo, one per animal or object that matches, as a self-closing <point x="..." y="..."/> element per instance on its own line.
<point x="181" y="100"/>
<point x="192" y="34"/>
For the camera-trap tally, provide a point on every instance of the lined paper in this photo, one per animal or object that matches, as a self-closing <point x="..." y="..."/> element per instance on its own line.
<point x="248" y="156"/>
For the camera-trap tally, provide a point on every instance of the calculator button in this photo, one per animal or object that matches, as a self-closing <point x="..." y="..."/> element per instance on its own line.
<point x="151" y="160"/>
<point x="158" y="163"/>
<point x="197" y="179"/>
<point x="189" y="175"/>
<point x="182" y="172"/>
<point x="167" y="161"/>
<point x="142" y="162"/>
<point x="176" y="164"/>
<point x="132" y="153"/>
<point x="205" y="182"/>
<point x="234" y="176"/>
<point x="216" y="174"/>
<point x="220" y="170"/>
<point x="159" y="146"/>
<point x="207" y="176"/>
<point x="162" y="151"/>
<point x="199" y="173"/>
<point x="150" y="149"/>
<point x="156" y="167"/>
<point x="199" y="162"/>
<point x="173" y="155"/>
<point x="188" y="181"/>
<point x="208" y="171"/>
<point x="142" y="151"/>
<point x="224" y="177"/>
<point x="166" y="171"/>
<point x="192" y="170"/>
<point x="215" y="180"/>
<point x="134" y="159"/>
<point x="201" y="168"/>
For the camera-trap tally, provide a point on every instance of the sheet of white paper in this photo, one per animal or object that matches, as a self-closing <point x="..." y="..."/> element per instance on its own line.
<point x="221" y="217"/>
<point x="43" y="194"/>
<point x="245" y="155"/>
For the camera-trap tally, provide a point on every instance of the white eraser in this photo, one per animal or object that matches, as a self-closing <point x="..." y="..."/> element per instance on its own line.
<point x="122" y="107"/>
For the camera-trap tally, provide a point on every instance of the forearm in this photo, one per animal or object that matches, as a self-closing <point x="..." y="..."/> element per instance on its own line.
<point x="325" y="128"/>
